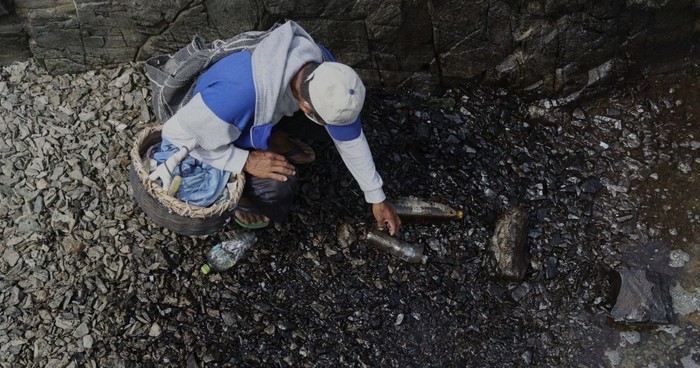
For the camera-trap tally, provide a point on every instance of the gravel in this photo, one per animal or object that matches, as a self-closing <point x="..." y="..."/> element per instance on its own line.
<point x="87" y="280"/>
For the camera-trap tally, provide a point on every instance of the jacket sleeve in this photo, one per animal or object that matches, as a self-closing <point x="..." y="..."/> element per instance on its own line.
<point x="213" y="136"/>
<point x="358" y="159"/>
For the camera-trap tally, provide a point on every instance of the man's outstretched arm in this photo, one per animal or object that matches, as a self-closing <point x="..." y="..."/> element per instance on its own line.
<point x="358" y="159"/>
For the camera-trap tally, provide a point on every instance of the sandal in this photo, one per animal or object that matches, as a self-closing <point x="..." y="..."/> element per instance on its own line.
<point x="252" y="225"/>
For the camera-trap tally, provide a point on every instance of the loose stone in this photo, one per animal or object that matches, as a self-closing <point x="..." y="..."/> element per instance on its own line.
<point x="643" y="297"/>
<point x="509" y="244"/>
<point x="10" y="256"/>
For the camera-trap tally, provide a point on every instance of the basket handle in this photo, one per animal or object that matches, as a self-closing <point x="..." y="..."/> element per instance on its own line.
<point x="164" y="171"/>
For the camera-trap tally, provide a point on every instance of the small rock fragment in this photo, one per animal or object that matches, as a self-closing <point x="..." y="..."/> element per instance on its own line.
<point x="629" y="338"/>
<point x="10" y="256"/>
<point x="591" y="186"/>
<point x="688" y="362"/>
<point x="678" y="258"/>
<point x="685" y="303"/>
<point x="614" y="357"/>
<point x="155" y="330"/>
<point x="81" y="330"/>
<point x="88" y="342"/>
<point x="520" y="292"/>
<point x="346" y="235"/>
<point x="643" y="298"/>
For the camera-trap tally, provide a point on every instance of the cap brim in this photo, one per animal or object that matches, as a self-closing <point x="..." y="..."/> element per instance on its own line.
<point x="345" y="132"/>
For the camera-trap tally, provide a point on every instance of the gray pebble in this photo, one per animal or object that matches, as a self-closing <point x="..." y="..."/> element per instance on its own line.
<point x="10" y="256"/>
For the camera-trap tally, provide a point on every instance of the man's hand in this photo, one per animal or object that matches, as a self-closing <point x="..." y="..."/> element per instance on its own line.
<point x="268" y="165"/>
<point x="386" y="216"/>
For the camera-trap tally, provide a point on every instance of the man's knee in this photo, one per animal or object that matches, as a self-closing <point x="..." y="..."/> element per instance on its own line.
<point x="282" y="191"/>
<point x="270" y="197"/>
<point x="270" y="190"/>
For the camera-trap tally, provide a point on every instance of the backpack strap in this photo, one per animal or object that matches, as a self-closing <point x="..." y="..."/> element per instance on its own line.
<point x="173" y="76"/>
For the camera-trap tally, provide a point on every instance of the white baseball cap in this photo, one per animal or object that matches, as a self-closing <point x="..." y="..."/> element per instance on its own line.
<point x="337" y="95"/>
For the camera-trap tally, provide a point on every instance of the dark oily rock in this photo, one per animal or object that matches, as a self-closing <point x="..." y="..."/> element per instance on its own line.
<point x="520" y="292"/>
<point x="579" y="114"/>
<point x="509" y="244"/>
<point x="551" y="268"/>
<point x="192" y="361"/>
<point x="591" y="186"/>
<point x="643" y="298"/>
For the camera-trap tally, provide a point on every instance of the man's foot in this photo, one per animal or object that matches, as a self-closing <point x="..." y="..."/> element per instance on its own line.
<point x="250" y="220"/>
<point x="248" y="217"/>
<point x="296" y="151"/>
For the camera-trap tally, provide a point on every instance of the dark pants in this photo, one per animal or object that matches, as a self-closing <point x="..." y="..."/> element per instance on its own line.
<point x="274" y="198"/>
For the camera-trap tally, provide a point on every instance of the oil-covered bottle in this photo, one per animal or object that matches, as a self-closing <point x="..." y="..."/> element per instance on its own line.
<point x="412" y="253"/>
<point x="419" y="210"/>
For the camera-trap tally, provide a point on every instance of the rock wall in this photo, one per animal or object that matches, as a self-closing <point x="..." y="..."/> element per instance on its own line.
<point x="544" y="46"/>
<point x="14" y="44"/>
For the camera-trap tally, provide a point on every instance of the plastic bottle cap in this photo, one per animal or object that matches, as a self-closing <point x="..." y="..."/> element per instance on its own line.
<point x="205" y="269"/>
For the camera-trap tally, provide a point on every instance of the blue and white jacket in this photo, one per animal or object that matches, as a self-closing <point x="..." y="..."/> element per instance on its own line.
<point x="221" y="119"/>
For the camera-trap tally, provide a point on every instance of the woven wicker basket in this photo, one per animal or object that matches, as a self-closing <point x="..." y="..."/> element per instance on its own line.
<point x="168" y="211"/>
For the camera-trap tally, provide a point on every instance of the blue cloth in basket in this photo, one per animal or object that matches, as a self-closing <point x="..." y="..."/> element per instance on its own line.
<point x="202" y="184"/>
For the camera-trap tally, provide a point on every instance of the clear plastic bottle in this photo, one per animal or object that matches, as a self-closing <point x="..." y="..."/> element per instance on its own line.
<point x="420" y="210"/>
<point x="411" y="253"/>
<point x="224" y="255"/>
